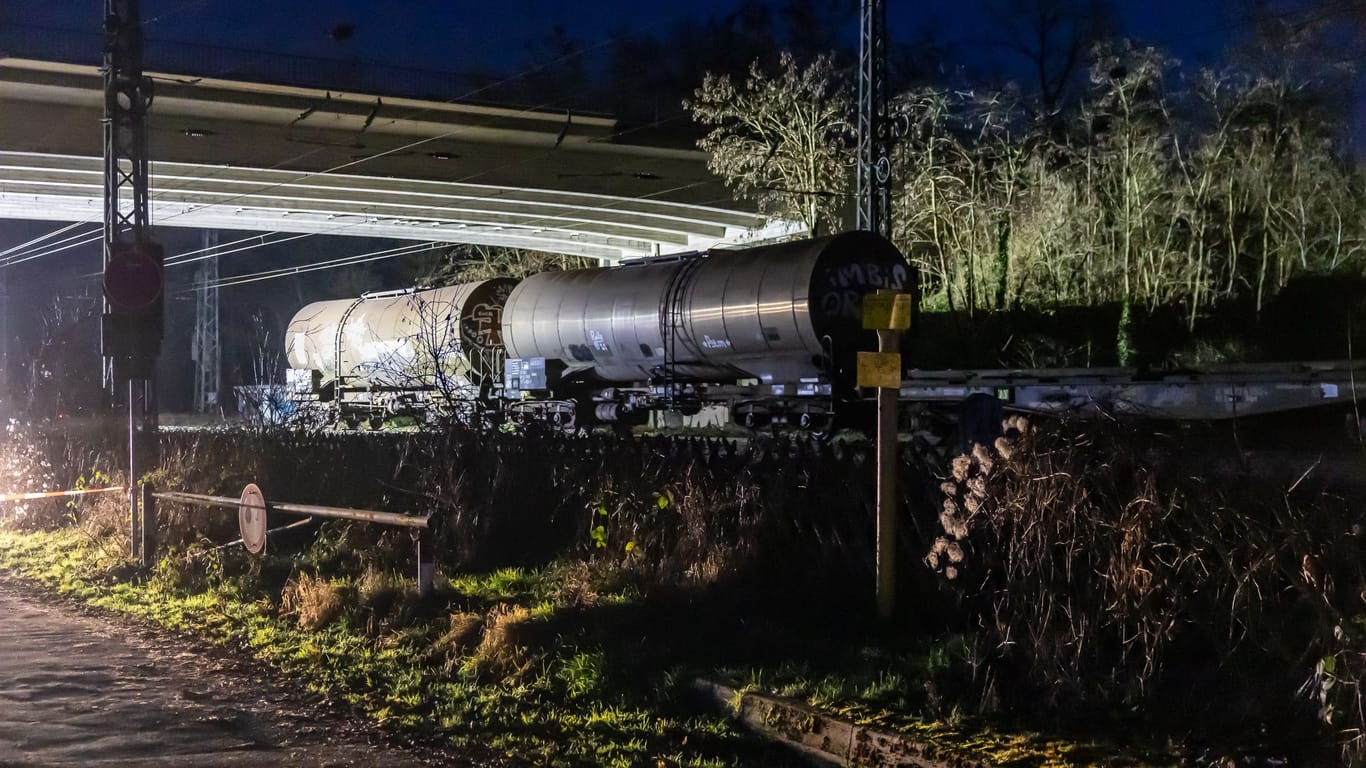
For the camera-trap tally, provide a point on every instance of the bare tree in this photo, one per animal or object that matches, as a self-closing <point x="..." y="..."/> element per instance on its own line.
<point x="433" y="367"/>
<point x="959" y="169"/>
<point x="470" y="263"/>
<point x="781" y="139"/>
<point x="1055" y="37"/>
<point x="1156" y="191"/>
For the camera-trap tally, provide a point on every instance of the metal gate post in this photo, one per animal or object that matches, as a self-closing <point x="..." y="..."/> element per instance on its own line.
<point x="426" y="561"/>
<point x="134" y="448"/>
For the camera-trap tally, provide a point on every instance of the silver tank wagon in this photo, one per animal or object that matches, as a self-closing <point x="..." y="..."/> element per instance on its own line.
<point x="779" y="313"/>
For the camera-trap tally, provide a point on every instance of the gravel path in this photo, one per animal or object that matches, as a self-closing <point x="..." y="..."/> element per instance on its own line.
<point x="78" y="688"/>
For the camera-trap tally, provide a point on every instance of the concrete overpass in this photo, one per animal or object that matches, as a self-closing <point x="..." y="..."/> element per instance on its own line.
<point x="250" y="156"/>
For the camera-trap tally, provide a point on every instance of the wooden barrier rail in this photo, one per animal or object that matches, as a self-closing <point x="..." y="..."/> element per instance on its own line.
<point x="342" y="513"/>
<point x="251" y="508"/>
<point x="59" y="494"/>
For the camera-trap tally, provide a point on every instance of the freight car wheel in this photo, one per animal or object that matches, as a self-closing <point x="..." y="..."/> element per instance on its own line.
<point x="820" y="427"/>
<point x="752" y="414"/>
<point x="376" y="422"/>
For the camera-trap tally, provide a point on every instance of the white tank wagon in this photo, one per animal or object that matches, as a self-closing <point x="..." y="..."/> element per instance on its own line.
<point x="395" y="353"/>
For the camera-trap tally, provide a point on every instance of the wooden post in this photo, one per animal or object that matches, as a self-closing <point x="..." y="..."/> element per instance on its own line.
<point x="889" y="313"/>
<point x="887" y="343"/>
<point x="135" y="520"/>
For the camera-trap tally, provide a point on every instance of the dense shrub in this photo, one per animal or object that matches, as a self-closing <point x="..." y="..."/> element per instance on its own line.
<point x="680" y="511"/>
<point x="1109" y="565"/>
<point x="793" y="516"/>
<point x="1094" y="568"/>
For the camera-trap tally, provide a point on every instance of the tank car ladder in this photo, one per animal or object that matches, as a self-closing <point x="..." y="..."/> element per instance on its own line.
<point x="339" y="377"/>
<point x="671" y="325"/>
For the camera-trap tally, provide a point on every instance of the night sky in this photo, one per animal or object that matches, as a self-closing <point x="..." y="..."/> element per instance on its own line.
<point x="462" y="36"/>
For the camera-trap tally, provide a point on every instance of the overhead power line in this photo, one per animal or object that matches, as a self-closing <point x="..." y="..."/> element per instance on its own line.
<point x="345" y="261"/>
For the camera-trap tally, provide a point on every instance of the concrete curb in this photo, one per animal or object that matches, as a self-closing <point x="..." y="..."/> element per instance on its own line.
<point x="827" y="740"/>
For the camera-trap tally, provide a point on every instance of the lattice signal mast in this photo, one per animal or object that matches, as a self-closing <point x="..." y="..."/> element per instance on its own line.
<point x="131" y="326"/>
<point x="126" y="99"/>
<point x="874" y="173"/>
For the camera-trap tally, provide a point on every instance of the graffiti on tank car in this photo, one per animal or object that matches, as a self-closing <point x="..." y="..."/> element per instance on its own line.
<point x="845" y="304"/>
<point x="867" y="276"/>
<point x="599" y="340"/>
<point x="848" y="283"/>
<point x="483" y="325"/>
<point x="710" y="343"/>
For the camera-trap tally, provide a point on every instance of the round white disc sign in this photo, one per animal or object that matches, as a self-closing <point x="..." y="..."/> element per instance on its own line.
<point x="251" y="516"/>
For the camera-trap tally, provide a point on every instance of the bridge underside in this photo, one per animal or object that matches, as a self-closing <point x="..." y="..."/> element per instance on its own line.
<point x="68" y="188"/>
<point x="269" y="158"/>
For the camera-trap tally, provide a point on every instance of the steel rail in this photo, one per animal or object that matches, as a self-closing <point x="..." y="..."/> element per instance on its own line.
<point x="342" y="513"/>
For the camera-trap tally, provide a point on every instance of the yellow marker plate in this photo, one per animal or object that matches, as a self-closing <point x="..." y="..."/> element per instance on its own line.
<point x="879" y="369"/>
<point x="887" y="311"/>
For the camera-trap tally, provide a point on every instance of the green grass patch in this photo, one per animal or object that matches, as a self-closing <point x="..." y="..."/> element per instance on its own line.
<point x="550" y="703"/>
<point x="563" y="666"/>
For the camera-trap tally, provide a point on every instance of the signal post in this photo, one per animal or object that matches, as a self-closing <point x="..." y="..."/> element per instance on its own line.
<point x="131" y="326"/>
<point x="888" y="313"/>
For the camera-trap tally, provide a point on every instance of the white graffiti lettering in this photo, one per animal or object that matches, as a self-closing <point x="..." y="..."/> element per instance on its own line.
<point x="484" y="325"/>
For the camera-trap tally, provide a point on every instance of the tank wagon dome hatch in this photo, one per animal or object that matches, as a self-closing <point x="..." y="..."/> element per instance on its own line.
<point x="778" y="313"/>
<point x="392" y="338"/>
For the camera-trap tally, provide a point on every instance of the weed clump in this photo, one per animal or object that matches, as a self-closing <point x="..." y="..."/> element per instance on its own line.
<point x="379" y="590"/>
<point x="105" y="515"/>
<point x="313" y="601"/>
<point x="462" y="636"/>
<point x="510" y="649"/>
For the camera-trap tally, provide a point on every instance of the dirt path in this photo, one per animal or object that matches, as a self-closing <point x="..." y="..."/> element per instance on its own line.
<point x="80" y="689"/>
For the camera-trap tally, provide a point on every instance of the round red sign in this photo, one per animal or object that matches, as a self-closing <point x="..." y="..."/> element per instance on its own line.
<point x="133" y="277"/>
